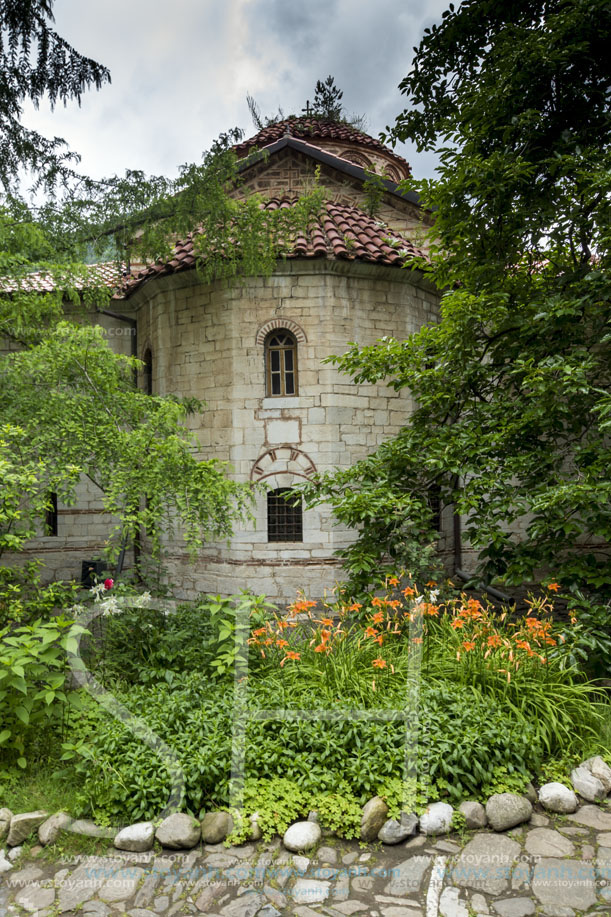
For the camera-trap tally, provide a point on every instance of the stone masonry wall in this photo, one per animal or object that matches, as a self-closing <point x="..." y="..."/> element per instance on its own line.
<point x="207" y="342"/>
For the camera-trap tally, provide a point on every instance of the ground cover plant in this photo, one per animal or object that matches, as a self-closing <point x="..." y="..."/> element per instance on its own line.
<point x="413" y="692"/>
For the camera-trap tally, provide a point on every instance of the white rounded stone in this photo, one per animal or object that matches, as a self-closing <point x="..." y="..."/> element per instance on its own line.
<point x="302" y="836"/>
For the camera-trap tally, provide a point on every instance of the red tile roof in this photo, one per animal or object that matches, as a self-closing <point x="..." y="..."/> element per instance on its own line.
<point x="342" y="232"/>
<point x="108" y="273"/>
<point x="311" y="129"/>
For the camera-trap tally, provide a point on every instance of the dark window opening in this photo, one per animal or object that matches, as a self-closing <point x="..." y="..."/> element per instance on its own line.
<point x="51" y="515"/>
<point x="281" y="364"/>
<point x="147" y="372"/>
<point x="434" y="501"/>
<point x="284" y="516"/>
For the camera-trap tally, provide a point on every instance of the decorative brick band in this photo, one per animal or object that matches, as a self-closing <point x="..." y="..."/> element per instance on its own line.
<point x="287" y="323"/>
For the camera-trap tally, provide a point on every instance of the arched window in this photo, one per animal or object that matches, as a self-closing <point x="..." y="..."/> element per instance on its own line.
<point x="284" y="516"/>
<point x="147" y="371"/>
<point x="280" y="363"/>
<point x="51" y="515"/>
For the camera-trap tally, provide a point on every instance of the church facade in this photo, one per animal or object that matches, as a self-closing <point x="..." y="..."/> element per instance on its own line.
<point x="253" y="351"/>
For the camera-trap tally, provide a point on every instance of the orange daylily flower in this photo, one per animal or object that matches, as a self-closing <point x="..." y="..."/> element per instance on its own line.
<point x="259" y="632"/>
<point x="456" y="623"/>
<point x="408" y="591"/>
<point x="379" y="663"/>
<point x="327" y="622"/>
<point x="431" y="582"/>
<point x="290" y="655"/>
<point x="393" y="581"/>
<point x="378" y="617"/>
<point x="553" y="587"/>
<point x="376" y="601"/>
<point x="321" y="648"/>
<point x="371" y="632"/>
<point x="282" y="643"/>
<point x="494" y="640"/>
<point x="468" y="645"/>
<point x="355" y="606"/>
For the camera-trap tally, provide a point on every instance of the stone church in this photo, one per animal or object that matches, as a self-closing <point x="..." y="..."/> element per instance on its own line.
<point x="253" y="351"/>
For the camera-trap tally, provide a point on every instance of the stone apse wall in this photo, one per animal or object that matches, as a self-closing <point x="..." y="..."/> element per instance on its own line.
<point x="208" y="342"/>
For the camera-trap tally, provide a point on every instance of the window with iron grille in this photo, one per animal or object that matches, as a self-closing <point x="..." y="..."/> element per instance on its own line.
<point x="284" y="516"/>
<point x="280" y="363"/>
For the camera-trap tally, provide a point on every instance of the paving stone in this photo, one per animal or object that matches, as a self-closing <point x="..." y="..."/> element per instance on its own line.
<point x="310" y="890"/>
<point x="538" y="821"/>
<point x="587" y="852"/>
<point x="5" y="865"/>
<point x="327" y="855"/>
<point x="123" y="884"/>
<point x="246" y="906"/>
<point x="362" y="884"/>
<point x="604" y="839"/>
<point x="34" y="898"/>
<point x="341" y="888"/>
<point x="572" y="832"/>
<point x="141" y="912"/>
<point x="301" y="863"/>
<point x="147" y="889"/>
<point x="205" y="894"/>
<point x="479" y="903"/>
<point x="485" y="863"/>
<point x="162" y="903"/>
<point x="558" y="910"/>
<point x="220" y="861"/>
<point x="514" y="907"/>
<point x="401" y="911"/>
<point x="305" y="911"/>
<point x="350" y="858"/>
<point x="276" y="897"/>
<point x="521" y="876"/>
<point x="26" y="876"/>
<point x="407" y="876"/>
<point x="546" y="842"/>
<point x="96" y="909"/>
<point x="569" y="881"/>
<point x="351" y="907"/>
<point x="450" y="904"/>
<point x="447" y="847"/>
<point x="15" y="853"/>
<point x="268" y="910"/>
<point x="592" y="817"/>
<point x="85" y="882"/>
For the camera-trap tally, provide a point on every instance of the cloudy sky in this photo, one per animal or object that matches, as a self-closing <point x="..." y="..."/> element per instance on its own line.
<point x="181" y="71"/>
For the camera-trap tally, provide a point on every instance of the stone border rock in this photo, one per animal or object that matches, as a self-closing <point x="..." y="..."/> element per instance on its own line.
<point x="503" y="811"/>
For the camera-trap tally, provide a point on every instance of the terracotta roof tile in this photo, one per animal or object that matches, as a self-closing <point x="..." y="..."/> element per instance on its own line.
<point x="108" y="273"/>
<point x="342" y="231"/>
<point x="310" y="129"/>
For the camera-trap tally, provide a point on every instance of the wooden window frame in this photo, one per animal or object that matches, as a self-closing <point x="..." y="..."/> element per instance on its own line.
<point x="283" y="372"/>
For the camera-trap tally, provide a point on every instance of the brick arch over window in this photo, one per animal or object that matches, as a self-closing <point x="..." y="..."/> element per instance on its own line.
<point x="276" y="323"/>
<point x="359" y="159"/>
<point x="280" y="466"/>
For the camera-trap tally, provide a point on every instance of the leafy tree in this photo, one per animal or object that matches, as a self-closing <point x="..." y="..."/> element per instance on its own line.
<point x="68" y="404"/>
<point x="35" y="61"/>
<point x="328" y="100"/>
<point x="513" y="384"/>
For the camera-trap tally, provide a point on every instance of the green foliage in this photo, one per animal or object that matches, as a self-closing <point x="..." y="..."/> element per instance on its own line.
<point x="503" y="780"/>
<point x="512" y="385"/>
<point x="588" y="638"/>
<point x="338" y="812"/>
<point x="33" y="683"/>
<point x="37" y="62"/>
<point x="462" y="737"/>
<point x="327" y="100"/>
<point x="23" y="597"/>
<point x="411" y="795"/>
<point x="147" y="645"/>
